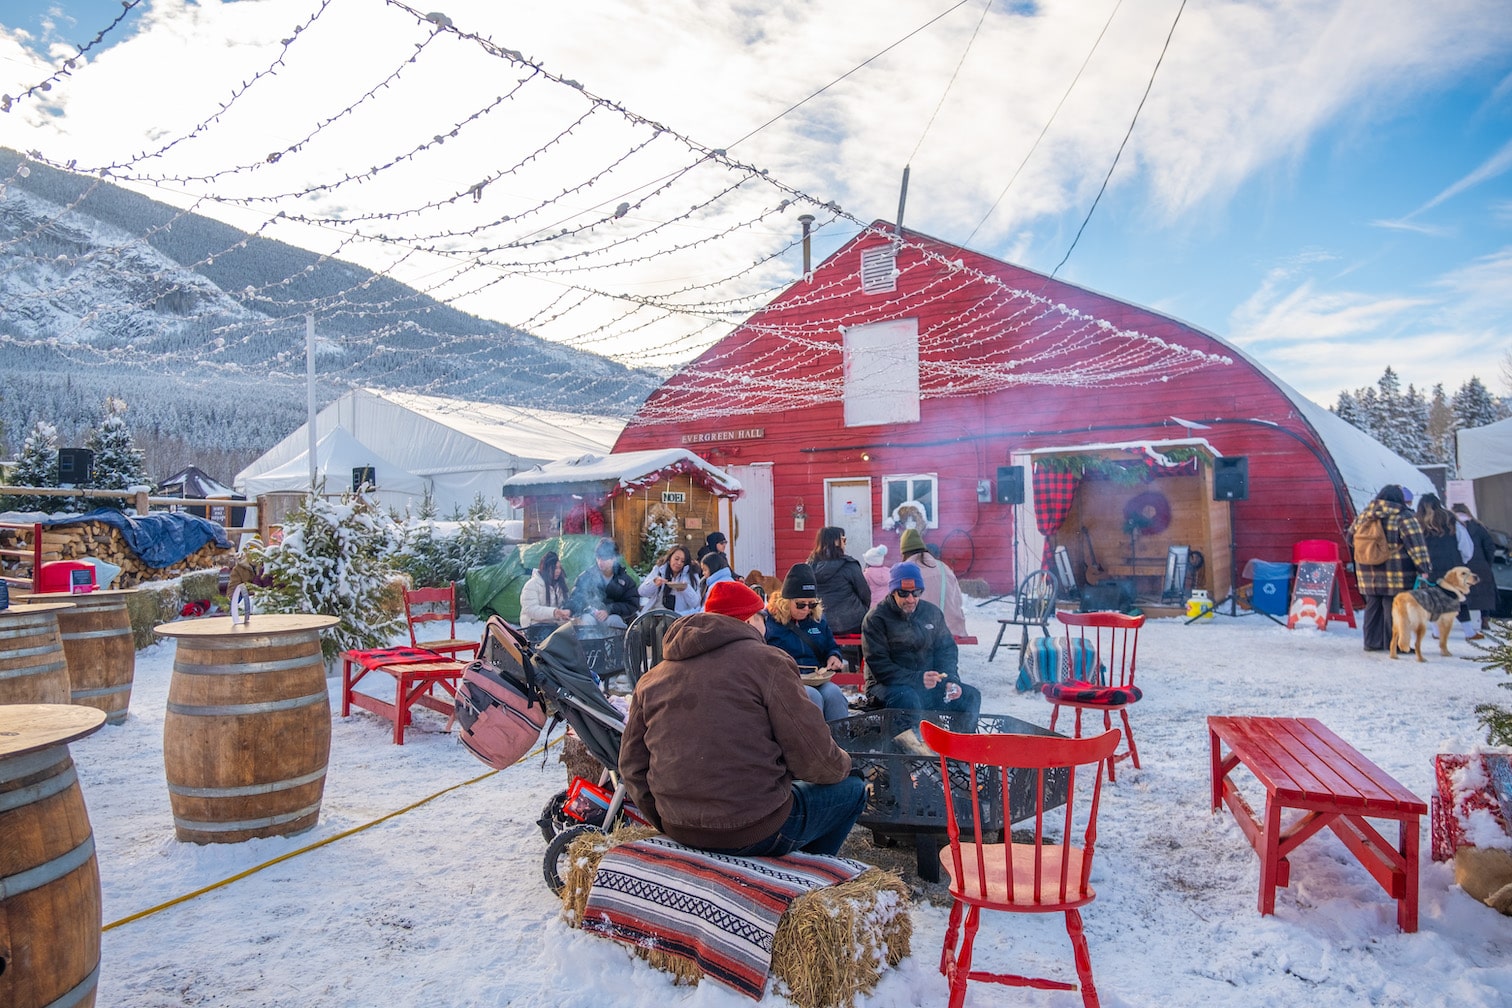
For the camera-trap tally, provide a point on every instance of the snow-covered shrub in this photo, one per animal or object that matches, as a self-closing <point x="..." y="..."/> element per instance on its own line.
<point x="438" y="553"/>
<point x="118" y="465"/>
<point x="336" y="558"/>
<point x="37" y="467"/>
<point x="660" y="534"/>
<point x="1497" y="654"/>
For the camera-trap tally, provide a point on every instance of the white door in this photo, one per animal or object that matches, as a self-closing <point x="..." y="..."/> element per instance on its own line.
<point x="1031" y="543"/>
<point x="847" y="503"/>
<point x="753" y="539"/>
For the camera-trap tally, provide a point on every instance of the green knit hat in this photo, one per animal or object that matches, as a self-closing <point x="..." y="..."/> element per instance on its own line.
<point x="912" y="543"/>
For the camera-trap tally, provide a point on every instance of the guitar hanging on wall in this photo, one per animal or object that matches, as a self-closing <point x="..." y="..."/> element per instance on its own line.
<point x="1095" y="570"/>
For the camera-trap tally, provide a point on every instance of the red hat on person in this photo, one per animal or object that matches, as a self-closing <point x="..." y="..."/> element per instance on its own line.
<point x="731" y="598"/>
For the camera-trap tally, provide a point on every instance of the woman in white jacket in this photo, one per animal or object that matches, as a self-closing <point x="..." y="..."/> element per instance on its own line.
<point x="543" y="600"/>
<point x="672" y="584"/>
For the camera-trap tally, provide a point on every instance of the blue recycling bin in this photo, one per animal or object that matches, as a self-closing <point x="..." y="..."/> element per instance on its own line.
<point x="1271" y="586"/>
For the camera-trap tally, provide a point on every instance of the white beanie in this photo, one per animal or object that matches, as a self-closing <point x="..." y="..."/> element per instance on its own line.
<point x="875" y="556"/>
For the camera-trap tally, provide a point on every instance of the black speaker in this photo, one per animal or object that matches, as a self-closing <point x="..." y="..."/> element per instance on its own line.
<point x="363" y="476"/>
<point x="75" y="465"/>
<point x="1010" y="485"/>
<point x="1231" y="478"/>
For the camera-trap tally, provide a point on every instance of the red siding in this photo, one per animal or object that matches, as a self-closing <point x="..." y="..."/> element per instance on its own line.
<point x="965" y="437"/>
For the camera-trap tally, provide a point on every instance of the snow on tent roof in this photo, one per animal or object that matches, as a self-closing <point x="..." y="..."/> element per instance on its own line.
<point x="1485" y="451"/>
<point x="526" y="433"/>
<point x="628" y="469"/>
<point x="336" y="455"/>
<point x="192" y="481"/>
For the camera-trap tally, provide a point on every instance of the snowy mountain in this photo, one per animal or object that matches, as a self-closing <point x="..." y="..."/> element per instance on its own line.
<point x="200" y="328"/>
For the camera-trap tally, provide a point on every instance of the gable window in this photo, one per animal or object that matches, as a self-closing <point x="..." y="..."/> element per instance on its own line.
<point x="879" y="269"/>
<point x="882" y="373"/>
<point x="905" y="498"/>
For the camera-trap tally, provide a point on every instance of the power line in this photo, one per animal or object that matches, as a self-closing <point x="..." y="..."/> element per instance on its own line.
<point x="951" y="83"/>
<point x="1130" y="132"/>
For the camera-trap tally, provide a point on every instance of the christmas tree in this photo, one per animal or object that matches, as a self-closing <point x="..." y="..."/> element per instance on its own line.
<point x="336" y="558"/>
<point x="37" y="467"/>
<point x="118" y="465"/>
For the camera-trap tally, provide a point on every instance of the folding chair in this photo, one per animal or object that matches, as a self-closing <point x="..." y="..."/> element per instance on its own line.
<point x="432" y="605"/>
<point x="643" y="641"/>
<point x="1033" y="606"/>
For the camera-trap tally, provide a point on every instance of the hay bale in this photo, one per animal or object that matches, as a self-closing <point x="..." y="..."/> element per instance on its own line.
<point x="975" y="587"/>
<point x="831" y="944"/>
<point x="579" y="761"/>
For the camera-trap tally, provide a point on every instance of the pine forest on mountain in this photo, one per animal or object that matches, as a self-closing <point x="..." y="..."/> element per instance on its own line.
<point x="1419" y="427"/>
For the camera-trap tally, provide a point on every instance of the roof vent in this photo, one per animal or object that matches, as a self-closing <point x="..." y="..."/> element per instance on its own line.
<point x="879" y="271"/>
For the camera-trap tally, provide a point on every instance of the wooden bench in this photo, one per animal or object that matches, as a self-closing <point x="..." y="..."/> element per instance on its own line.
<point x="1306" y="767"/>
<point x="416" y="671"/>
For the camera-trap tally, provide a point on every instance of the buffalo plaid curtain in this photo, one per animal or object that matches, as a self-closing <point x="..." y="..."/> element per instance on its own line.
<point x="1053" y="491"/>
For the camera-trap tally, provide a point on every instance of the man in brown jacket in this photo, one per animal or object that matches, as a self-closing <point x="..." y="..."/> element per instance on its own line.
<point x="725" y="752"/>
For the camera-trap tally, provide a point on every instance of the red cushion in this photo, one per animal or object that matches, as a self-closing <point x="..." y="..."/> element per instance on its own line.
<point x="1079" y="691"/>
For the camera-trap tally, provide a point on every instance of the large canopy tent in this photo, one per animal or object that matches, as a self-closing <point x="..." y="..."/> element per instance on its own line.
<point x="459" y="449"/>
<point x="337" y="456"/>
<point x="1485" y="458"/>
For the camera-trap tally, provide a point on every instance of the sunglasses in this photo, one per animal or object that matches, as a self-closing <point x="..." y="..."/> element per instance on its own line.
<point x="802" y="605"/>
<point x="904" y="593"/>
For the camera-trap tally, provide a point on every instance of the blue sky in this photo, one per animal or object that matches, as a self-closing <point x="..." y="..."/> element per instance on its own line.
<point x="1324" y="184"/>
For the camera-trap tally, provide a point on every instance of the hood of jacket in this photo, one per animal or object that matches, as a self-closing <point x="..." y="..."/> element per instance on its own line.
<point x="703" y="632"/>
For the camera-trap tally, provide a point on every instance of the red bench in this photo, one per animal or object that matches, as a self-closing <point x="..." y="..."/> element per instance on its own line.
<point x="417" y="673"/>
<point x="1306" y="767"/>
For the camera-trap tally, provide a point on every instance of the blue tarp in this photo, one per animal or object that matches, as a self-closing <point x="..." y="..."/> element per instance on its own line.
<point x="160" y="539"/>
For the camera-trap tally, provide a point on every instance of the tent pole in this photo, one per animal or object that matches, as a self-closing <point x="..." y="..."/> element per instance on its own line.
<point x="310" y="391"/>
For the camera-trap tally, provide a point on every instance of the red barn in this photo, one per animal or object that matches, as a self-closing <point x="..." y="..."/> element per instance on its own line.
<point x="910" y="380"/>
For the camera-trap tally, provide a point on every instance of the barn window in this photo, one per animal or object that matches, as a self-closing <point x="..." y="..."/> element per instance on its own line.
<point x="882" y="373"/>
<point x="879" y="271"/>
<point x="904" y="496"/>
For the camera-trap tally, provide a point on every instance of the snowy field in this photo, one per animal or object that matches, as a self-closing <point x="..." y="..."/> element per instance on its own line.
<point x="444" y="905"/>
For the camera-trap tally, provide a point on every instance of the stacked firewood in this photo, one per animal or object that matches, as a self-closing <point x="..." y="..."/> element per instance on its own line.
<point x="105" y="542"/>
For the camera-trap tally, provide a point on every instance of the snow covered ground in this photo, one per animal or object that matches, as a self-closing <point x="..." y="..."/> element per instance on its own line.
<point x="443" y="904"/>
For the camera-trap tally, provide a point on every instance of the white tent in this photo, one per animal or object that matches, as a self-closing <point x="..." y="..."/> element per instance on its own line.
<point x="337" y="454"/>
<point x="1485" y="458"/>
<point x="461" y="449"/>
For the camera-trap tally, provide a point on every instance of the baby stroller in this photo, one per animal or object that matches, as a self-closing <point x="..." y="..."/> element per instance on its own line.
<point x="558" y="676"/>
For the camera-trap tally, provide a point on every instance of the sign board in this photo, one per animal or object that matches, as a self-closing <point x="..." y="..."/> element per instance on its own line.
<point x="674" y="497"/>
<point x="1313" y="594"/>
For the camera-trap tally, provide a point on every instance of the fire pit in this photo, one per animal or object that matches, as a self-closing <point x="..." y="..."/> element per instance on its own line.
<point x="906" y="798"/>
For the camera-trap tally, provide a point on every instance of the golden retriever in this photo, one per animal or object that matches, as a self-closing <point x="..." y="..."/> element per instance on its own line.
<point x="1412" y="611"/>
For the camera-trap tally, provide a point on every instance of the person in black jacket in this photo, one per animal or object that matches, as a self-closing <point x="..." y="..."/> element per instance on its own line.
<point x="842" y="583"/>
<point x="911" y="657"/>
<point x="606" y="592"/>
<point x="1482" y="597"/>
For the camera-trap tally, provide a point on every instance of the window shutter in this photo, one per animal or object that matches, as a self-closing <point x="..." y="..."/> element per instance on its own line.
<point x="879" y="269"/>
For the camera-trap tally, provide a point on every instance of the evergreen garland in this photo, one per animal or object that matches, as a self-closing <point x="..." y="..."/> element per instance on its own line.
<point x="335" y="558"/>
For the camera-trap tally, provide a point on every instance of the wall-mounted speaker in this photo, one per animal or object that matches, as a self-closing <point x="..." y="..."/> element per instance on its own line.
<point x="363" y="476"/>
<point x="1231" y="478"/>
<point x="1010" y="485"/>
<point x="75" y="466"/>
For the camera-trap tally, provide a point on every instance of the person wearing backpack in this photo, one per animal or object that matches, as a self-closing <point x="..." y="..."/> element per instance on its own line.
<point x="1390" y="554"/>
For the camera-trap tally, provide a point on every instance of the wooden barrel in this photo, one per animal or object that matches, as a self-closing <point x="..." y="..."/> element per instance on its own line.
<point x="49" y="878"/>
<point x="33" y="667"/>
<point x="248" y="728"/>
<point x="101" y="653"/>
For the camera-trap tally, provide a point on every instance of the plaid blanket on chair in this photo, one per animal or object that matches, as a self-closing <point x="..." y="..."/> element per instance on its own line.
<point x="719" y="911"/>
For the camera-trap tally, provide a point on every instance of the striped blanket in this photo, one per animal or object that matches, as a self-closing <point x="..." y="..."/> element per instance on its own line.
<point x="719" y="911"/>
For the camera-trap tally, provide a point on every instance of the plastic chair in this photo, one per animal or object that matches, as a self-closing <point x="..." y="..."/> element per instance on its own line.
<point x="1115" y="638"/>
<point x="643" y="641"/>
<point x="1033" y="606"/>
<point x="1051" y="874"/>
<point x="432" y="605"/>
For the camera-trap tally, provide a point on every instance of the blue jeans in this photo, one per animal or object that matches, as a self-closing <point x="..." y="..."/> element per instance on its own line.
<point x="968" y="704"/>
<point x="830" y="699"/>
<point x="821" y="819"/>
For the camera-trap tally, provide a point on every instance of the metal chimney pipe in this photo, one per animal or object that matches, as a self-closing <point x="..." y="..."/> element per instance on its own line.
<point x="807" y="220"/>
<point x="902" y="200"/>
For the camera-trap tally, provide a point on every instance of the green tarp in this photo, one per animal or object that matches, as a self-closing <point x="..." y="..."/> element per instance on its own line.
<point x="495" y="590"/>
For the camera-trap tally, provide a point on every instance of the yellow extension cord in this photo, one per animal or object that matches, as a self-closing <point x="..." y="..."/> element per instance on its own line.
<point x="318" y="844"/>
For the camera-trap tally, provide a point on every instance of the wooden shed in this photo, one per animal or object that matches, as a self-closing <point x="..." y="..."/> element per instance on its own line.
<point x="907" y="380"/>
<point x="623" y="496"/>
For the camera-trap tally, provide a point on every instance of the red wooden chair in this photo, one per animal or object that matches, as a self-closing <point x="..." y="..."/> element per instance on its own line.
<point x="1050" y="875"/>
<point x="433" y="605"/>
<point x="1114" y="636"/>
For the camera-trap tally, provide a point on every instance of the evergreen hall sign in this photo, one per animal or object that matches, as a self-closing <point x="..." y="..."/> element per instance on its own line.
<point x="744" y="434"/>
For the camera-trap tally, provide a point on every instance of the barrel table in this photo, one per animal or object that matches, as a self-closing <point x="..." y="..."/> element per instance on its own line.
<point x="248" y="728"/>
<point x="49" y="879"/>
<point x="33" y="668"/>
<point x="97" y="642"/>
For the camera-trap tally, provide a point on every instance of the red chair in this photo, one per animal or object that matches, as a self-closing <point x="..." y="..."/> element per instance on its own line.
<point x="432" y="605"/>
<point x="1114" y="637"/>
<point x="1049" y="875"/>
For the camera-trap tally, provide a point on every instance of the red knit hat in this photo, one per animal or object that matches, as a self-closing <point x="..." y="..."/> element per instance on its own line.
<point x="731" y="598"/>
